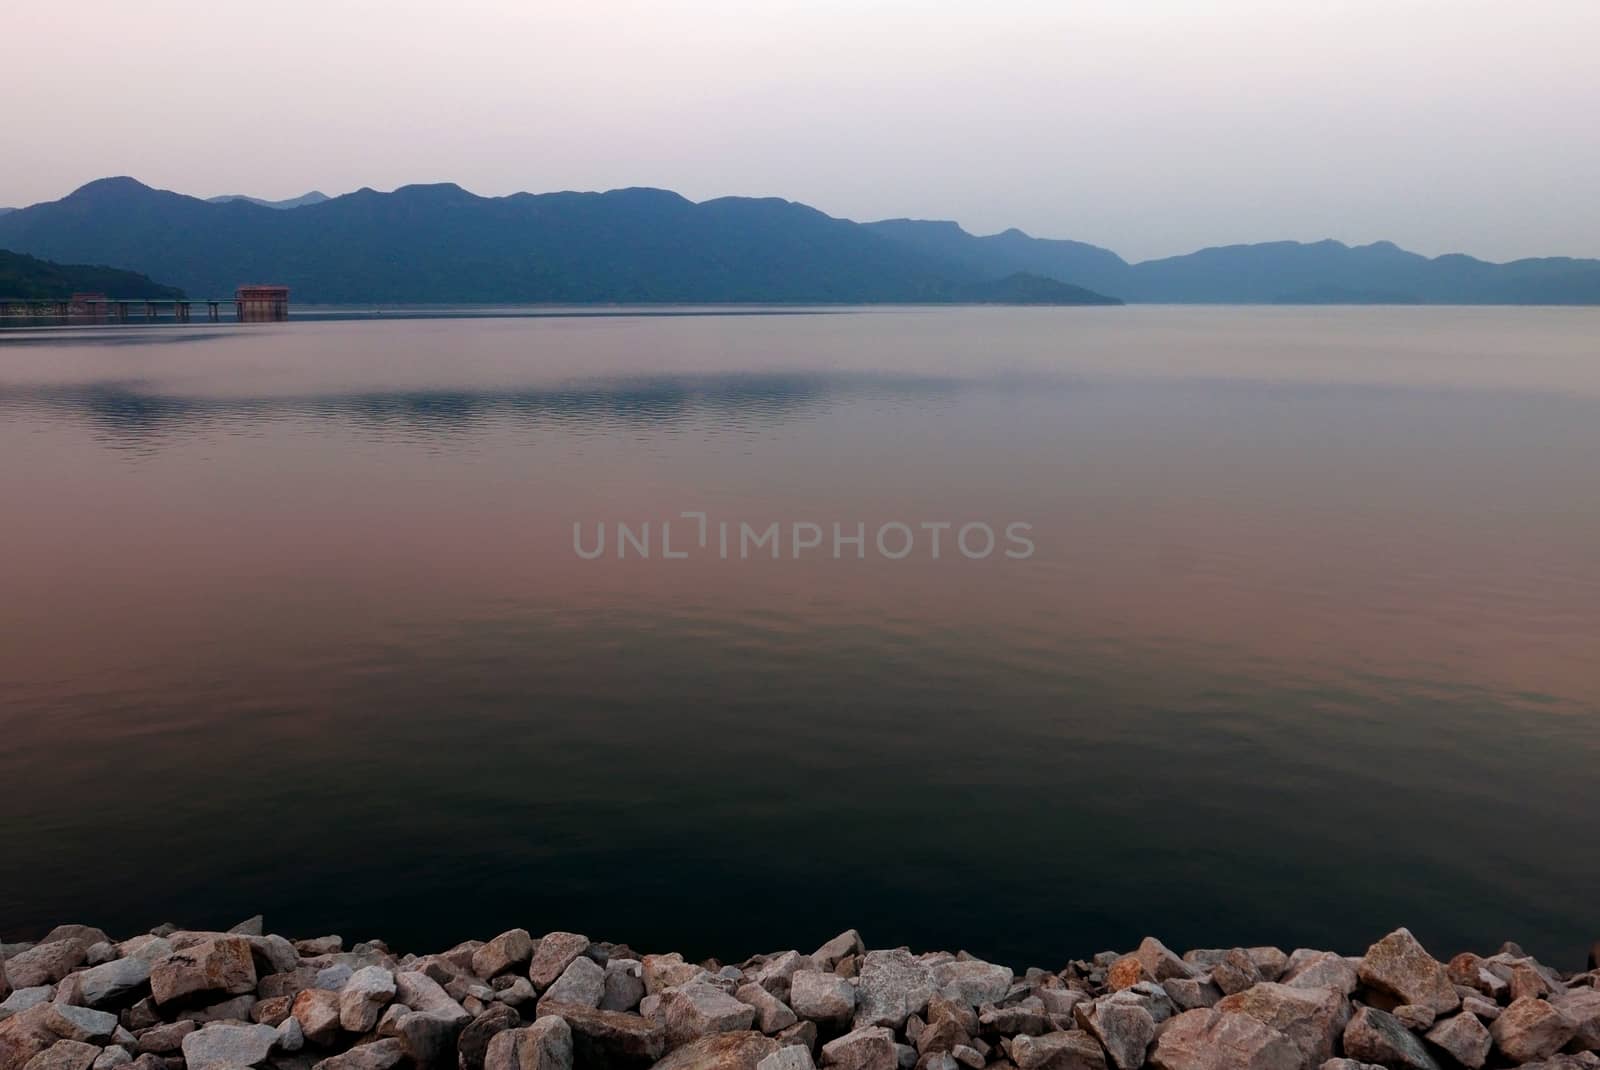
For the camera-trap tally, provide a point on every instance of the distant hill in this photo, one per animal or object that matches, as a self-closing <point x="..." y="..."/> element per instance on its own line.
<point x="440" y="244"/>
<point x="30" y="277"/>
<point x="314" y="197"/>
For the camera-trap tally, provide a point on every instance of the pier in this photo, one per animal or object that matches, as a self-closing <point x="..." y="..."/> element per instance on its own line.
<point x="250" y="304"/>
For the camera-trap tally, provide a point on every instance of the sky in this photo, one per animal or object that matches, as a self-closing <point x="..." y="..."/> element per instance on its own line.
<point x="1152" y="127"/>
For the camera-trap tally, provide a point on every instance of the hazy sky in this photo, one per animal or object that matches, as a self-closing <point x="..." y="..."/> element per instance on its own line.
<point x="1148" y="126"/>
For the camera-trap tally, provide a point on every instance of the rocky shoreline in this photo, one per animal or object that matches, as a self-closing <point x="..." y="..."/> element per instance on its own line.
<point x="175" y="999"/>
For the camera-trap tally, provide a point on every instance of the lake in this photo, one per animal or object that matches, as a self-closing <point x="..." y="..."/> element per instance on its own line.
<point x="1298" y="640"/>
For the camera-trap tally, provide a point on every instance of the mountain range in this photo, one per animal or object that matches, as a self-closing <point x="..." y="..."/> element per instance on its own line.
<point x="316" y="196"/>
<point x="440" y="243"/>
<point x="35" y="279"/>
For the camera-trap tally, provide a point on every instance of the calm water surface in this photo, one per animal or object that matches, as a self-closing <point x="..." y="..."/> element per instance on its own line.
<point x="291" y="620"/>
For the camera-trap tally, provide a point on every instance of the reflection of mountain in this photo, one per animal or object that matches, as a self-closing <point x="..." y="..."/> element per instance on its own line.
<point x="757" y="399"/>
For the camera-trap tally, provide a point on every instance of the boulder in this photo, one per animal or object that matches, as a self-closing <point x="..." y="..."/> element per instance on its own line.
<point x="605" y="1039"/>
<point x="363" y="997"/>
<point x="972" y="982"/>
<point x="1464" y="1039"/>
<point x="23" y="998"/>
<point x="379" y="1055"/>
<point x="1375" y="1037"/>
<point x="582" y="983"/>
<point x="792" y="1057"/>
<point x="843" y="946"/>
<point x="86" y="935"/>
<point x="661" y="972"/>
<point x="110" y="981"/>
<point x="422" y="994"/>
<point x="1312" y="1018"/>
<point x="556" y="952"/>
<point x="24" y="1035"/>
<point x="775" y="974"/>
<point x="1531" y="1029"/>
<point x="1236" y="972"/>
<point x="218" y="1046"/>
<point x="473" y="1044"/>
<point x="221" y="966"/>
<point x="317" y="1011"/>
<point x="508" y="951"/>
<point x="891" y="987"/>
<point x="544" y="1045"/>
<point x="164" y="1039"/>
<point x="1126" y="972"/>
<point x="80" y="1023"/>
<point x="1400" y="967"/>
<point x="111" y="1058"/>
<point x="1062" y="1050"/>
<point x="45" y="963"/>
<point x="1159" y="961"/>
<point x="867" y="1048"/>
<point x="1582" y="1007"/>
<point x="721" y="1051"/>
<point x="65" y="1055"/>
<point x="698" y="1008"/>
<point x="1124" y="1029"/>
<point x="1191" y="993"/>
<point x="1323" y="969"/>
<point x="429" y="1038"/>
<point x="824" y="998"/>
<point x="624" y="985"/>
<point x="1207" y="1039"/>
<point x="291" y="1037"/>
<point x="772" y="1014"/>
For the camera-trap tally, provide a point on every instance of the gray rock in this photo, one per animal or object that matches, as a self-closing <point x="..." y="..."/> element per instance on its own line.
<point x="866" y="1048"/>
<point x="624" y="985"/>
<point x="64" y="1055"/>
<point x="1207" y="1039"/>
<point x="86" y="935"/>
<point x="333" y="978"/>
<point x="775" y="974"/>
<point x="773" y="1015"/>
<point x="100" y="953"/>
<point x="721" y="1051"/>
<point x="518" y="994"/>
<point x="424" y="996"/>
<point x="891" y="987"/>
<point x="1464" y="1038"/>
<point x="508" y="951"/>
<point x="80" y="1023"/>
<point x="45" y="963"/>
<point x="1236" y="972"/>
<point x="1123" y="1029"/>
<point x="696" y="1009"/>
<point x="276" y="951"/>
<point x="556" y="952"/>
<point x="972" y="982"/>
<point x="793" y="1057"/>
<point x="843" y="946"/>
<point x="112" y="980"/>
<point x="1323" y="969"/>
<point x="251" y="926"/>
<point x="23" y="998"/>
<point x="1191" y="993"/>
<point x="1582" y="1007"/>
<point x="1375" y="1037"/>
<point x="1531" y="1029"/>
<point x="219" y="1045"/>
<point x="1415" y="1017"/>
<point x="363" y="997"/>
<point x="545" y="1045"/>
<point x="111" y="1058"/>
<point x="582" y="983"/>
<point x="291" y="1037"/>
<point x="1061" y="1050"/>
<point x="211" y="967"/>
<point x="1400" y="967"/>
<point x="237" y="1009"/>
<point x="379" y="1055"/>
<point x="319" y="945"/>
<point x="824" y="998"/>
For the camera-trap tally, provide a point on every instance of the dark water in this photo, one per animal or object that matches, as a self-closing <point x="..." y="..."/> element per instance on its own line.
<point x="1308" y="646"/>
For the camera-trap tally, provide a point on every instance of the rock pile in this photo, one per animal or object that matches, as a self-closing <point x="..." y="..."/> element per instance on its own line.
<point x="181" y="1000"/>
